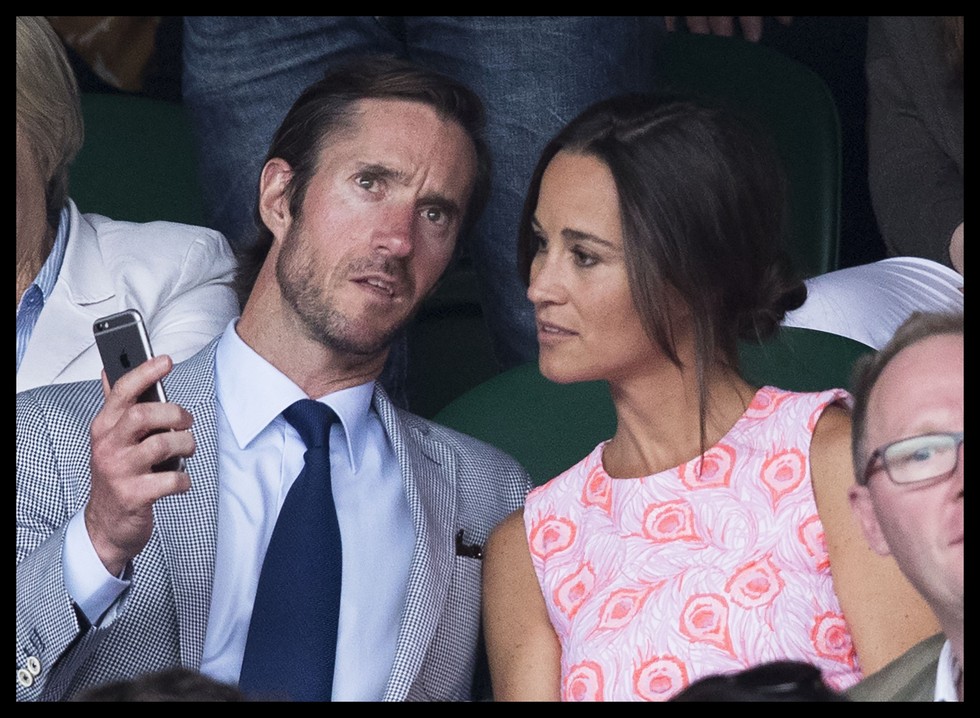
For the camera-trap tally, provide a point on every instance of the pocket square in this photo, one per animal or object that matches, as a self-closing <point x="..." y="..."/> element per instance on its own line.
<point x="469" y="550"/>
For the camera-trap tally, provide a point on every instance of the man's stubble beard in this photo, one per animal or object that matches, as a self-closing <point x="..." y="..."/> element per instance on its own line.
<point x="302" y="289"/>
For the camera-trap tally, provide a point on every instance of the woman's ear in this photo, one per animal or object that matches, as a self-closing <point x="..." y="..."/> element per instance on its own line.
<point x="274" y="196"/>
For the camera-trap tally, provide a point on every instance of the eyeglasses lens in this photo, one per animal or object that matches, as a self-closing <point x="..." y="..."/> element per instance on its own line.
<point x="921" y="458"/>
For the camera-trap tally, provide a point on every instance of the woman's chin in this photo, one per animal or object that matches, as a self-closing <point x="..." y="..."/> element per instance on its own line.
<point x="562" y="372"/>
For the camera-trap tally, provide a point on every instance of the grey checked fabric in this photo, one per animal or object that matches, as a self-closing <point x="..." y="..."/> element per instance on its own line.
<point x="452" y="482"/>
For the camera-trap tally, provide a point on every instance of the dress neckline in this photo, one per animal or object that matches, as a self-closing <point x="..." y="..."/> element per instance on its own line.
<point x="762" y="404"/>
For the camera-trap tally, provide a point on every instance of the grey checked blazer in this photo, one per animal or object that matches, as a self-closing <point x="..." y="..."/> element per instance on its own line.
<point x="452" y="482"/>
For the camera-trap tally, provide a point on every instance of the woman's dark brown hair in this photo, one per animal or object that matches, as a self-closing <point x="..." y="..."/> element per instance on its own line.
<point x="703" y="204"/>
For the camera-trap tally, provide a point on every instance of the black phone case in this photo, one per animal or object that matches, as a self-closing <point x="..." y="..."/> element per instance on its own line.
<point x="124" y="344"/>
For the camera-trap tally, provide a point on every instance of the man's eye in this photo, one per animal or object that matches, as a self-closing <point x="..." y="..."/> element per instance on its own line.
<point x="435" y="215"/>
<point x="923" y="453"/>
<point x="366" y="181"/>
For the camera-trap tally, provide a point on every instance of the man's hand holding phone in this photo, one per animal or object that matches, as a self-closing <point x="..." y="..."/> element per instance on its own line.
<point x="129" y="438"/>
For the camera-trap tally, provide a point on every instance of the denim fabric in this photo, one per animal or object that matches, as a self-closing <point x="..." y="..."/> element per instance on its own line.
<point x="241" y="75"/>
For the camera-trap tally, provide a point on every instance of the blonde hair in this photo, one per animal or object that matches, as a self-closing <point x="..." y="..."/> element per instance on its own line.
<point x="49" y="111"/>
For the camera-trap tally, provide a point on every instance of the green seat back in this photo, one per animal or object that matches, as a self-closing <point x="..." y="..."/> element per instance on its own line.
<point x="449" y="345"/>
<point x="549" y="427"/>
<point x="138" y="161"/>
<point x="796" y="106"/>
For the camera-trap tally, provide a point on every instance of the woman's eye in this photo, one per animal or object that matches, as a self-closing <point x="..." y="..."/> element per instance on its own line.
<point x="583" y="259"/>
<point x="540" y="243"/>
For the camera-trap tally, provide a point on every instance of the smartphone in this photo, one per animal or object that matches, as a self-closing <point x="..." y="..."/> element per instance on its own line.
<point x="124" y="344"/>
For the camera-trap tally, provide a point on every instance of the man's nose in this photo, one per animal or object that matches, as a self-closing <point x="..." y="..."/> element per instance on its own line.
<point x="394" y="233"/>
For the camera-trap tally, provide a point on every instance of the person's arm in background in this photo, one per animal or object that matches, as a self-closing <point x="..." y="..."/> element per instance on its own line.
<point x="915" y="139"/>
<point x="180" y="278"/>
<point x="956" y="248"/>
<point x="202" y="303"/>
<point x="884" y="612"/>
<point x="751" y="26"/>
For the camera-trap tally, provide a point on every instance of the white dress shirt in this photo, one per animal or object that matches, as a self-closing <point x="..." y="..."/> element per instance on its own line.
<point x="259" y="456"/>
<point x="947" y="676"/>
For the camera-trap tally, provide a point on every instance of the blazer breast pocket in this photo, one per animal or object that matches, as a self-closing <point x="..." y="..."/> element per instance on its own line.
<point x="468" y="550"/>
<point x="447" y="672"/>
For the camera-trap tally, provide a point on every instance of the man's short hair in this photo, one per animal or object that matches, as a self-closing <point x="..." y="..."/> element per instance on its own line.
<point x="327" y="107"/>
<point x="867" y="370"/>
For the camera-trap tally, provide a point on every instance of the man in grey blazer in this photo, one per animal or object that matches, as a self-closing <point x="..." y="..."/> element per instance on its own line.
<point x="122" y="570"/>
<point x="908" y="495"/>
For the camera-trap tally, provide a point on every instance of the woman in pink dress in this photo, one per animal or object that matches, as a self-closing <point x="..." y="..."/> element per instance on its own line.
<point x="711" y="532"/>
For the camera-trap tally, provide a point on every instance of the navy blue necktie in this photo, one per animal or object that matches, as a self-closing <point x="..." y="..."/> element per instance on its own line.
<point x="292" y="638"/>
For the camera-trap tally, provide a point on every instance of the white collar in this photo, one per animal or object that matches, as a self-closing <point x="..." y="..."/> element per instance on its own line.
<point x="947" y="675"/>
<point x="252" y="393"/>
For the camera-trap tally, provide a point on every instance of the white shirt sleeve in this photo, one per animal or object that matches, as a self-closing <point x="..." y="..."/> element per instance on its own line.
<point x="93" y="589"/>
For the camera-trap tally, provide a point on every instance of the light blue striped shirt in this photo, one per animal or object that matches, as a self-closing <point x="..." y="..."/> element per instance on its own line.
<point x="34" y="297"/>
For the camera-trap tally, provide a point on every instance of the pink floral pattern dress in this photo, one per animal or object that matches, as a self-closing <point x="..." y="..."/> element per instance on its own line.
<point x="710" y="567"/>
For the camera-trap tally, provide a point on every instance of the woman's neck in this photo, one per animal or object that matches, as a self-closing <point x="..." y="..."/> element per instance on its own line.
<point x="658" y="418"/>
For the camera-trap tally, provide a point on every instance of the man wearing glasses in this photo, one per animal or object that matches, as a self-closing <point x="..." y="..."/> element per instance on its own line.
<point x="908" y="495"/>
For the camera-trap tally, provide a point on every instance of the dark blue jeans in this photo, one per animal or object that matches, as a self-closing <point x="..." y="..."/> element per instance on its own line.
<point x="534" y="74"/>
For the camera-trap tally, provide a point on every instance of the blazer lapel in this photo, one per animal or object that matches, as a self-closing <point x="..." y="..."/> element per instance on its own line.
<point x="188" y="523"/>
<point x="429" y="475"/>
<point x="83" y="293"/>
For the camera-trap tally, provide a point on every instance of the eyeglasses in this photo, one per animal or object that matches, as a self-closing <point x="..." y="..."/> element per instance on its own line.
<point x="918" y="458"/>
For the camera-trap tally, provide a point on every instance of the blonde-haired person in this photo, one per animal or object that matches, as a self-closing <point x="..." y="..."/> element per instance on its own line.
<point x="72" y="267"/>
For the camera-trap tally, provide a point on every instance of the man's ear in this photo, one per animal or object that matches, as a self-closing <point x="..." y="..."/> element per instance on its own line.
<point x="274" y="197"/>
<point x="864" y="510"/>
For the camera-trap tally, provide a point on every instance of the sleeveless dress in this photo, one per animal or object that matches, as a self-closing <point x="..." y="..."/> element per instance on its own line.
<point x="710" y="567"/>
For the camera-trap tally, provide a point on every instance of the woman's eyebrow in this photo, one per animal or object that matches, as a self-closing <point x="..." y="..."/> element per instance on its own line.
<point x="575" y="235"/>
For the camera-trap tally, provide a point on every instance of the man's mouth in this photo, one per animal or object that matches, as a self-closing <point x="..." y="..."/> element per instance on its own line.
<point x="384" y="285"/>
<point x="385" y="278"/>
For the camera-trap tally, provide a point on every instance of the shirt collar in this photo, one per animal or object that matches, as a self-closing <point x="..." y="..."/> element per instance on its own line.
<point x="48" y="276"/>
<point x="252" y="404"/>
<point x="947" y="675"/>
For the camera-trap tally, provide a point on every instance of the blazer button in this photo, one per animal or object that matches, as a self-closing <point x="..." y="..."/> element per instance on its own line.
<point x="33" y="665"/>
<point x="25" y="678"/>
